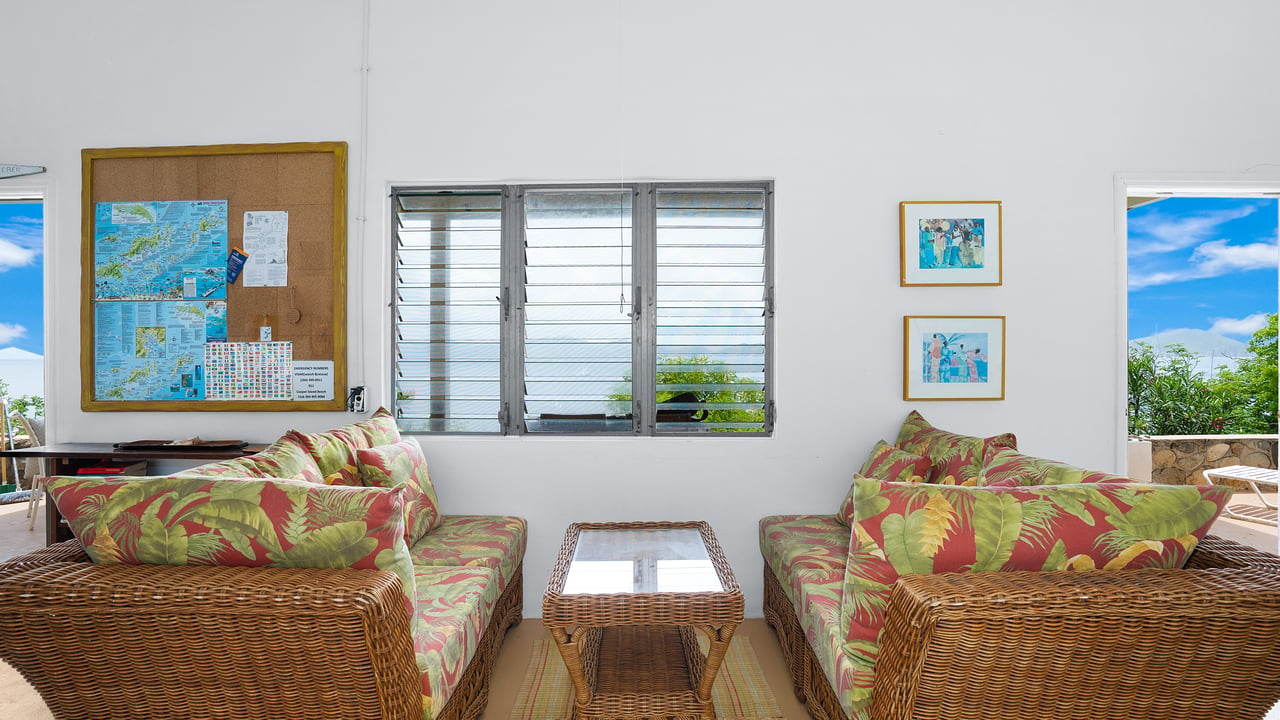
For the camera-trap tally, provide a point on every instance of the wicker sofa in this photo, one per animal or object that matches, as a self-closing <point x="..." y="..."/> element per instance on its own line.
<point x="1198" y="641"/>
<point x="118" y="640"/>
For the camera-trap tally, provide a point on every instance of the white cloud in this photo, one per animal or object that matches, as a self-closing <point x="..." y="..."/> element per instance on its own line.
<point x="1156" y="233"/>
<point x="1213" y="259"/>
<point x="13" y="255"/>
<point x="10" y="332"/>
<point x="1246" y="326"/>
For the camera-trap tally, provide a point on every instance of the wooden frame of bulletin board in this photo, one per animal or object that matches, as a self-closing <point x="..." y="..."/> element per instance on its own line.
<point x="306" y="180"/>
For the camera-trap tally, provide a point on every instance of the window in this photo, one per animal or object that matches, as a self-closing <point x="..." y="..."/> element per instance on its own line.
<point x="640" y="308"/>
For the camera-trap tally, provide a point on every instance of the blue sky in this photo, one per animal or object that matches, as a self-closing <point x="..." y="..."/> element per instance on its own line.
<point x="22" y="276"/>
<point x="1202" y="264"/>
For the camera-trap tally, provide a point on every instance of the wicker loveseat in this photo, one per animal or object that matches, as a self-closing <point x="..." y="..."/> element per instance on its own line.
<point x="1196" y="641"/>
<point x="117" y="640"/>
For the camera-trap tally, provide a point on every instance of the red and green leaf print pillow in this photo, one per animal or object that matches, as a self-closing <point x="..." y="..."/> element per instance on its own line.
<point x="246" y="522"/>
<point x="902" y="528"/>
<point x="402" y="464"/>
<point x="957" y="459"/>
<point x="334" y="453"/>
<point x="1010" y="468"/>
<point x="886" y="462"/>
<point x="379" y="429"/>
<point x="287" y="458"/>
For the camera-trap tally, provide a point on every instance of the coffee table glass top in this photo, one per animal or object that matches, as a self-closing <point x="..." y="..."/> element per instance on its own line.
<point x="641" y="561"/>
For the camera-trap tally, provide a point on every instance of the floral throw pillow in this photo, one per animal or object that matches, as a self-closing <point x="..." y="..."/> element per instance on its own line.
<point x="957" y="459"/>
<point x="287" y="458"/>
<point x="402" y="464"/>
<point x="1010" y="468"/>
<point x="886" y="463"/>
<point x="379" y="429"/>
<point x="902" y="528"/>
<point x="249" y="522"/>
<point x="334" y="453"/>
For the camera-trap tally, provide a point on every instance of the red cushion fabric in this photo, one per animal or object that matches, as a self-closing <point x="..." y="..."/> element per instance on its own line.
<point x="402" y="465"/>
<point x="957" y="459"/>
<point x="251" y="521"/>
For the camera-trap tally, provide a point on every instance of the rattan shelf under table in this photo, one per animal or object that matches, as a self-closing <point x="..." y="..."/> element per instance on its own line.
<point x="625" y="604"/>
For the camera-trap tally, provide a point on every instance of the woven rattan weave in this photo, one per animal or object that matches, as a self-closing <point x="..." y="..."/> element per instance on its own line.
<point x="125" y="642"/>
<point x="635" y="654"/>
<point x="1199" y="643"/>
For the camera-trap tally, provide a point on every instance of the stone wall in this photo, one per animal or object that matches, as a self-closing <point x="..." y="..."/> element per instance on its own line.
<point x="1181" y="459"/>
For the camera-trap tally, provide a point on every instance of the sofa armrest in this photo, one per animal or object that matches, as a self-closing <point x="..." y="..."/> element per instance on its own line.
<point x="1216" y="552"/>
<point x="121" y="641"/>
<point x="66" y="551"/>
<point x="1100" y="644"/>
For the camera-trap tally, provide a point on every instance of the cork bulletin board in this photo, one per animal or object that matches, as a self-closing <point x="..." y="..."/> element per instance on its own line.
<point x="172" y="349"/>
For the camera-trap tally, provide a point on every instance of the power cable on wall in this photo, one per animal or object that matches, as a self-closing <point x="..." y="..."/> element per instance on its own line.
<point x="362" y="207"/>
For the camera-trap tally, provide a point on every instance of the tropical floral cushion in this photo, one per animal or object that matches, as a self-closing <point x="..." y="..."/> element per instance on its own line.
<point x="241" y="467"/>
<point x="251" y="522"/>
<point x="287" y="458"/>
<point x="903" y="528"/>
<point x="887" y="462"/>
<point x="334" y="453"/>
<point x="956" y="459"/>
<point x="402" y="464"/>
<point x="1010" y="468"/>
<point x="820" y="603"/>
<point x="454" y="606"/>
<point x="490" y="541"/>
<point x="790" y="543"/>
<point x="379" y="429"/>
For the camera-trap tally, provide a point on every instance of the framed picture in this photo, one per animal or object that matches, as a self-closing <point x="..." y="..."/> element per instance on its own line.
<point x="951" y="242"/>
<point x="953" y="357"/>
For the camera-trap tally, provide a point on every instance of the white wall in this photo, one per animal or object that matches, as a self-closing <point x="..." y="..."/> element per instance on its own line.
<point x="850" y="106"/>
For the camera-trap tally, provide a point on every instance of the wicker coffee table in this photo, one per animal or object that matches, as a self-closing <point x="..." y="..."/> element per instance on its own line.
<point x="624" y="605"/>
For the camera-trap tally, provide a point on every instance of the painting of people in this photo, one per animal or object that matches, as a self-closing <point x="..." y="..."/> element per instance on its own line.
<point x="951" y="242"/>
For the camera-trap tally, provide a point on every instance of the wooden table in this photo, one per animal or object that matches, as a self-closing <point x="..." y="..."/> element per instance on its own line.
<point x="65" y="458"/>
<point x="1253" y="477"/>
<point x="624" y="604"/>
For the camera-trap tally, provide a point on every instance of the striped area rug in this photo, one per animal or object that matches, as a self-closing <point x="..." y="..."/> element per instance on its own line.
<point x="740" y="691"/>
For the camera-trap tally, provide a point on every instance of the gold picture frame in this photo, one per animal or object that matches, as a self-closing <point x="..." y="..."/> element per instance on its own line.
<point x="946" y="243"/>
<point x="953" y="357"/>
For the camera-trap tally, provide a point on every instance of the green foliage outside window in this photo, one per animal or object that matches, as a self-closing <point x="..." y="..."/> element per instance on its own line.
<point x="1169" y="396"/>
<point x="714" y="374"/>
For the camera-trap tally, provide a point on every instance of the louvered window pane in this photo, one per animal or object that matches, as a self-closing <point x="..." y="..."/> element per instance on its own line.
<point x="577" y="296"/>
<point x="447" y="315"/>
<point x="711" y="303"/>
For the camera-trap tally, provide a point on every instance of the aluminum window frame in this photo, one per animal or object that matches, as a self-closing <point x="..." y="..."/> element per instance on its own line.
<point x="644" y="320"/>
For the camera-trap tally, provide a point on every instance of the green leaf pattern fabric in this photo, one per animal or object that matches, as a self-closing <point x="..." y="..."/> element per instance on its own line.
<point x="379" y="429"/>
<point x="286" y="458"/>
<point x="1010" y="468"/>
<point x="488" y="541"/>
<point x="454" y="605"/>
<point x="334" y="453"/>
<point x="917" y="528"/>
<point x="402" y="464"/>
<point x="956" y="459"/>
<point x="247" y="522"/>
<point x="887" y="462"/>
<point x="789" y="543"/>
<point x="242" y="467"/>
